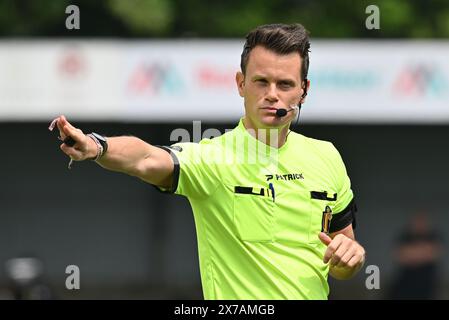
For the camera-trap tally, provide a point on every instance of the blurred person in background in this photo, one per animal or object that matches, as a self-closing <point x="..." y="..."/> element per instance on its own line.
<point x="26" y="280"/>
<point x="258" y="225"/>
<point x="418" y="252"/>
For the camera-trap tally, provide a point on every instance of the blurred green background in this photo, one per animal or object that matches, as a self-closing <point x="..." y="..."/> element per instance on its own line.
<point x="217" y="18"/>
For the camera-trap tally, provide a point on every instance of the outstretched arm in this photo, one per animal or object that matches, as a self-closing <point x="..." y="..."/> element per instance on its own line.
<point x="126" y="154"/>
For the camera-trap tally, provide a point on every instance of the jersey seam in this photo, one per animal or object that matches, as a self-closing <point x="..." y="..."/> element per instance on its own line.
<point x="211" y="262"/>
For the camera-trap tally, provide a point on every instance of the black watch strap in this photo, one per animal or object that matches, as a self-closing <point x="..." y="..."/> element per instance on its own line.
<point x="103" y="141"/>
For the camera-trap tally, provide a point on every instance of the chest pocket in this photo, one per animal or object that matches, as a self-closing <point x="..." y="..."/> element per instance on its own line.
<point x="293" y="216"/>
<point x="254" y="214"/>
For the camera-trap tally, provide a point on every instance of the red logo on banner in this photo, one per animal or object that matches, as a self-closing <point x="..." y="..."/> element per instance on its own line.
<point x="420" y="80"/>
<point x="212" y="77"/>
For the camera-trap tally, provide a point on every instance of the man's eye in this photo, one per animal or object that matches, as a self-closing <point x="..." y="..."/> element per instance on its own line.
<point x="285" y="85"/>
<point x="261" y="81"/>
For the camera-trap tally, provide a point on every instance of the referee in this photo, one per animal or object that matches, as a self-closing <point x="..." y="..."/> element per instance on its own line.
<point x="274" y="209"/>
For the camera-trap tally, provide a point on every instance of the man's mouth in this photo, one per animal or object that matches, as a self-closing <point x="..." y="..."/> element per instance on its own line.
<point x="269" y="108"/>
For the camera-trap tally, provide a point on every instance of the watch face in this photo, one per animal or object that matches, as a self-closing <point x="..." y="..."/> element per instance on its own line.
<point x="99" y="137"/>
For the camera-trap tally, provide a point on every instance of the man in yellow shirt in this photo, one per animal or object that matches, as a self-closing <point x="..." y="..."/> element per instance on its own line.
<point x="269" y="226"/>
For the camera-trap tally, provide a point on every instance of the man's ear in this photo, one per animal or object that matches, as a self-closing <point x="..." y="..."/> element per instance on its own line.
<point x="304" y="93"/>
<point x="240" y="81"/>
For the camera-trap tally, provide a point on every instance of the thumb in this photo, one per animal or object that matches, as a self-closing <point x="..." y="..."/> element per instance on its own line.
<point x="324" y="238"/>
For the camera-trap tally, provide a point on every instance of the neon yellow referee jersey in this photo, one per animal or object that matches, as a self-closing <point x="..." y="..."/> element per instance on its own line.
<point x="258" y="211"/>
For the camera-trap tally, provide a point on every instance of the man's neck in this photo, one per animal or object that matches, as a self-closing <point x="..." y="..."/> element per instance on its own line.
<point x="275" y="137"/>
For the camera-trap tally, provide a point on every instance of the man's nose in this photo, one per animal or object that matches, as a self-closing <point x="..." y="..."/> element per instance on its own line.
<point x="272" y="94"/>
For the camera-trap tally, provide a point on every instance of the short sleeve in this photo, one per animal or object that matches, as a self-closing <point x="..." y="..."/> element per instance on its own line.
<point x="345" y="206"/>
<point x="343" y="183"/>
<point x="196" y="171"/>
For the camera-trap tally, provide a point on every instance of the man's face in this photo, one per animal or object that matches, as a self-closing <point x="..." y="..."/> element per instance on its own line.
<point x="271" y="82"/>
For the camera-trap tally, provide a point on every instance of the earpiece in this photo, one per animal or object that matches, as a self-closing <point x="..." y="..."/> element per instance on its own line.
<point x="303" y="95"/>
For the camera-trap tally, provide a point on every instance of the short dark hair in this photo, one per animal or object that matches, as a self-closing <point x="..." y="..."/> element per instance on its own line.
<point x="281" y="39"/>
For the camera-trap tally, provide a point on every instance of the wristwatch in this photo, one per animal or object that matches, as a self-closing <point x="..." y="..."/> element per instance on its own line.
<point x="102" y="140"/>
<point x="102" y="145"/>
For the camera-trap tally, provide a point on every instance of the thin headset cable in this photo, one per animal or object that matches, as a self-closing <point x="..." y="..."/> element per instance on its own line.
<point x="296" y="122"/>
<point x="299" y="109"/>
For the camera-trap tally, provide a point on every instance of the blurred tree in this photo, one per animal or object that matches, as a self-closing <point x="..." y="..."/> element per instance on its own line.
<point x="29" y="17"/>
<point x="46" y="18"/>
<point x="224" y="19"/>
<point x="144" y="17"/>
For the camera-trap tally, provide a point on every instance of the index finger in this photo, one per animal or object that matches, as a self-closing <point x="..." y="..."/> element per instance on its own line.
<point x="56" y="122"/>
<point x="65" y="122"/>
<point x="63" y="126"/>
<point x="61" y="130"/>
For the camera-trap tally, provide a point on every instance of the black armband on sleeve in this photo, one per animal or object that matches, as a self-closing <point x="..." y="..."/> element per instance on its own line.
<point x="344" y="218"/>
<point x="175" y="171"/>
